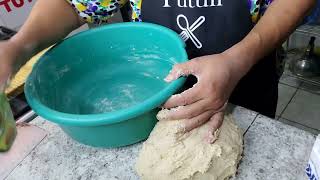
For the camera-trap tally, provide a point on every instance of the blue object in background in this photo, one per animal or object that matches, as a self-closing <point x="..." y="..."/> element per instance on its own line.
<point x="314" y="17"/>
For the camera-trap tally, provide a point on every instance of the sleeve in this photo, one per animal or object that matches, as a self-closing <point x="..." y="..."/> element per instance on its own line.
<point x="96" y="11"/>
<point x="313" y="18"/>
<point x="136" y="10"/>
<point x="257" y="8"/>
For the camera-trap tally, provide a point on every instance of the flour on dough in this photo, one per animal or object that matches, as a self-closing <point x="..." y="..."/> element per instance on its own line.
<point x="169" y="155"/>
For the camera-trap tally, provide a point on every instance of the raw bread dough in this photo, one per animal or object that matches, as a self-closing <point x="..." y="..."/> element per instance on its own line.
<point x="169" y="155"/>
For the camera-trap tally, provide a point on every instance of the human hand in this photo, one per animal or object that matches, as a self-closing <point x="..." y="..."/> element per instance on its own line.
<point x="9" y="56"/>
<point x="217" y="76"/>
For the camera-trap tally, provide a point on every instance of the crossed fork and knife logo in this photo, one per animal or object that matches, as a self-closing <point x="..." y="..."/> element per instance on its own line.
<point x="187" y="31"/>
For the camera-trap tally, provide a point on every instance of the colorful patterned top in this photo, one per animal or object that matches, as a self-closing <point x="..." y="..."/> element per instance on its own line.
<point x="257" y="8"/>
<point x="98" y="11"/>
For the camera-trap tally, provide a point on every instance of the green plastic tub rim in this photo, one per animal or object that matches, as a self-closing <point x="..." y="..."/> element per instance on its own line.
<point x="111" y="117"/>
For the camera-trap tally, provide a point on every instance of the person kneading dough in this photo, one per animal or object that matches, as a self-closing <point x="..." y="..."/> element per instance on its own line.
<point x="171" y="155"/>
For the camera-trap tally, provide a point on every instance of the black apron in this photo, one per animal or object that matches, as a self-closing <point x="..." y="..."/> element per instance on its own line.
<point x="214" y="26"/>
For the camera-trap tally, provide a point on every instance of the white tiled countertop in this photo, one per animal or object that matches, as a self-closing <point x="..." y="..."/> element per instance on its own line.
<point x="273" y="150"/>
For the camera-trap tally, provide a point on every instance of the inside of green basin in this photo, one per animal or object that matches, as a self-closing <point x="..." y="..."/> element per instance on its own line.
<point x="106" y="69"/>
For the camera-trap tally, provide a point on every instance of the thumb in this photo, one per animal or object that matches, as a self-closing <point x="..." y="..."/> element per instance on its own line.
<point x="183" y="69"/>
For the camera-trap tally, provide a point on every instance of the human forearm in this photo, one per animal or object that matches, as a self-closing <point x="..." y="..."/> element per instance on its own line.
<point x="49" y="22"/>
<point x="280" y="19"/>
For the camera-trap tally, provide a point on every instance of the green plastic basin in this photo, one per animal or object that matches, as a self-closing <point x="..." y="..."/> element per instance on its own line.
<point x="103" y="86"/>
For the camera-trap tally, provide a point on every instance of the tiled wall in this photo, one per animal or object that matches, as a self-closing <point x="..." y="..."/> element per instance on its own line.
<point x="299" y="40"/>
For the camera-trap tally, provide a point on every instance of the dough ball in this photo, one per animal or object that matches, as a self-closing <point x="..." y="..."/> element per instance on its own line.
<point x="169" y="155"/>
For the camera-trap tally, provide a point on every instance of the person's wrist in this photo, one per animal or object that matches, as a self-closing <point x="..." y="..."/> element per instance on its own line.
<point x="19" y="53"/>
<point x="245" y="53"/>
<point x="237" y="65"/>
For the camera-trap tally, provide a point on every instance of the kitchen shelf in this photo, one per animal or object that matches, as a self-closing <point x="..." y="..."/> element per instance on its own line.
<point x="291" y="55"/>
<point x="314" y="81"/>
<point x="308" y="30"/>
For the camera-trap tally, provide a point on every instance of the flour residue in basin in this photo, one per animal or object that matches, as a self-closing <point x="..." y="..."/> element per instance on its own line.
<point x="151" y="56"/>
<point x="127" y="92"/>
<point x="105" y="105"/>
<point x="62" y="71"/>
<point x="143" y="57"/>
<point x="145" y="74"/>
<point x="148" y="75"/>
<point x="148" y="59"/>
<point x="126" y="96"/>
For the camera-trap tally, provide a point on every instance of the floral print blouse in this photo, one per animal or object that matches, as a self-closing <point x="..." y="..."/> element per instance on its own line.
<point x="98" y="11"/>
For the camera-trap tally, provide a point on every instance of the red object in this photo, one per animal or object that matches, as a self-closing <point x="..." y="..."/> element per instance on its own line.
<point x="5" y="3"/>
<point x="16" y="3"/>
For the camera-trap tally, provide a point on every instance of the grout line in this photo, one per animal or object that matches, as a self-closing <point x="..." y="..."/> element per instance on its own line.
<point x="300" y="85"/>
<point x="294" y="94"/>
<point x="289" y="85"/>
<point x="6" y="177"/>
<point x="315" y="82"/>
<point x="301" y="124"/>
<point x="251" y="124"/>
<point x="309" y="91"/>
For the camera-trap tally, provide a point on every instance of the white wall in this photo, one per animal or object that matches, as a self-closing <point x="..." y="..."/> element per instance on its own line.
<point x="13" y="13"/>
<point x="2" y="22"/>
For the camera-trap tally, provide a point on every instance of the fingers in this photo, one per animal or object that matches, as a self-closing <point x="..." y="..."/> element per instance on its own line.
<point x="183" y="69"/>
<point x="189" y="111"/>
<point x="189" y="96"/>
<point x="214" y="124"/>
<point x="222" y="108"/>
<point x="197" y="121"/>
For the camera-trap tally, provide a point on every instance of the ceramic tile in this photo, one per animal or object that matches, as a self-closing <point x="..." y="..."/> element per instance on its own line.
<point x="299" y="40"/>
<point x="268" y="144"/>
<point x="299" y="126"/>
<point x="60" y="157"/>
<point x="285" y="95"/>
<point x="28" y="137"/>
<point x="73" y="160"/>
<point x="243" y="117"/>
<point x="290" y="80"/>
<point x="304" y="109"/>
<point x="313" y="88"/>
<point x="273" y="150"/>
